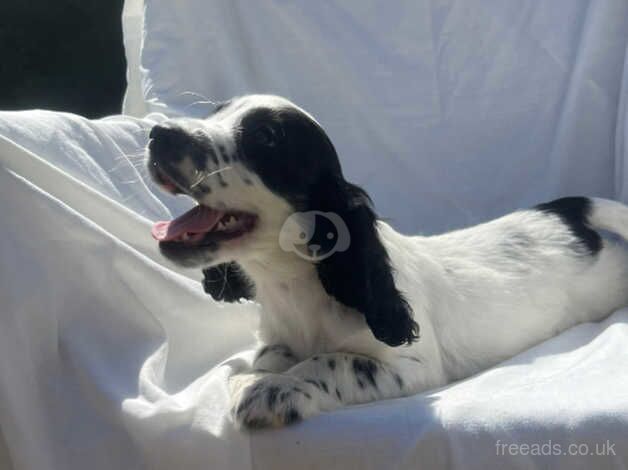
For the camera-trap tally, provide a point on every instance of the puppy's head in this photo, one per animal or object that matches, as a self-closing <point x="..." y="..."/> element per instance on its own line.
<point x="267" y="180"/>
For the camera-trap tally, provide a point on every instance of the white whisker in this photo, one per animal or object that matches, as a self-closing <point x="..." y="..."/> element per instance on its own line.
<point x="205" y="99"/>
<point x="199" y="102"/>
<point x="204" y="176"/>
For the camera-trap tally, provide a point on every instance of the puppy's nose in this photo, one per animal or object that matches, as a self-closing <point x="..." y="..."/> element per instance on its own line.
<point x="168" y="136"/>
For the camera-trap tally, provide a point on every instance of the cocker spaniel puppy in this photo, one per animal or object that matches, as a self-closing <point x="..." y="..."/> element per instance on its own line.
<point x="353" y="311"/>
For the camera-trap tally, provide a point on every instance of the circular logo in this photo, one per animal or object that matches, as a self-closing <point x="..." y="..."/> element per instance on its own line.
<point x="314" y="235"/>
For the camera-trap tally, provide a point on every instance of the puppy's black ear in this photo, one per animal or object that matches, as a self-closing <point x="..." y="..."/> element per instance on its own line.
<point x="228" y="282"/>
<point x="361" y="276"/>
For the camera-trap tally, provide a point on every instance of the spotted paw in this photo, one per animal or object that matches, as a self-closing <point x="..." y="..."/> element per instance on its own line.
<point x="274" y="400"/>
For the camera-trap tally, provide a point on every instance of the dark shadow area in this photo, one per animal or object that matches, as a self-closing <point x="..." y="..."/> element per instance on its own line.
<point x="65" y="55"/>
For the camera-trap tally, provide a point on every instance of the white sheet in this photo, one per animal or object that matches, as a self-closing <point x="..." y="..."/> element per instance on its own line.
<point x="84" y="302"/>
<point x="468" y="111"/>
<point x="427" y="101"/>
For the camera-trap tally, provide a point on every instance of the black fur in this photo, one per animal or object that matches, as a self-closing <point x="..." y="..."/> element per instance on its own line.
<point x="361" y="277"/>
<point x="574" y="212"/>
<point x="399" y="380"/>
<point x="291" y="416"/>
<point x="313" y="382"/>
<point x="288" y="151"/>
<point x="271" y="397"/>
<point x="365" y="369"/>
<point x="295" y="159"/>
<point x="227" y="282"/>
<point x="170" y="141"/>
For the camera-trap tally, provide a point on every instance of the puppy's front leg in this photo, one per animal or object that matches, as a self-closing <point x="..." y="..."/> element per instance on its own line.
<point x="269" y="360"/>
<point x="322" y="383"/>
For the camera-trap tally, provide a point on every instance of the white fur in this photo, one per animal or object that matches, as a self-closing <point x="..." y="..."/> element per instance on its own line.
<point x="477" y="300"/>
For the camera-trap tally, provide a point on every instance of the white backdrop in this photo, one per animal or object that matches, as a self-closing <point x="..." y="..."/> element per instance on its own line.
<point x="447" y="111"/>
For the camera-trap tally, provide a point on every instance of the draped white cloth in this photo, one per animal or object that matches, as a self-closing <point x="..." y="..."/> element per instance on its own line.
<point x="449" y="112"/>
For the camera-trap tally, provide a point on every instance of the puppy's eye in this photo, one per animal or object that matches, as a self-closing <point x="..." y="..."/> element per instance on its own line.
<point x="266" y="136"/>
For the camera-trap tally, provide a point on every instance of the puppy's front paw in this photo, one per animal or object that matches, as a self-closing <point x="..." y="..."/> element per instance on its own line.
<point x="274" y="400"/>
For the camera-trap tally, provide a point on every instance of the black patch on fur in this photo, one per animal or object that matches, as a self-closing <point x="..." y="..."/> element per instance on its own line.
<point x="227" y="282"/>
<point x="291" y="416"/>
<point x="285" y="149"/>
<point x="313" y="382"/>
<point x="323" y="385"/>
<point x="187" y="256"/>
<point x="574" y="212"/>
<point x="361" y="277"/>
<point x="331" y="363"/>
<point x="257" y="423"/>
<point x="365" y="369"/>
<point x="271" y="397"/>
<point x="399" y="380"/>
<point x="295" y="159"/>
<point x="338" y="394"/>
<point x="247" y="402"/>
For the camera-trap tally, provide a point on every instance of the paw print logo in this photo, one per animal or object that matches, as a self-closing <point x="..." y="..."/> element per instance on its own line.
<point x="314" y="235"/>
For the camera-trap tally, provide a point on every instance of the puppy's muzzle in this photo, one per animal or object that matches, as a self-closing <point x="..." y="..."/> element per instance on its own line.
<point x="167" y="142"/>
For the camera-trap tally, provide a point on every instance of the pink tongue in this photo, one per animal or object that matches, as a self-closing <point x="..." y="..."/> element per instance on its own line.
<point x="198" y="220"/>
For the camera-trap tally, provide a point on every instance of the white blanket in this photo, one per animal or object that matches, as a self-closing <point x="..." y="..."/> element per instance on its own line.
<point x="110" y="357"/>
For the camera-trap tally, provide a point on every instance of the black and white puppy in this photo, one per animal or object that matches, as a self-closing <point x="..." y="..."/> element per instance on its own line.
<point x="342" y="293"/>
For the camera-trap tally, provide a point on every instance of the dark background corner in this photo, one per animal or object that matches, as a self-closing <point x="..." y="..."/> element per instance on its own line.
<point x="65" y="55"/>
